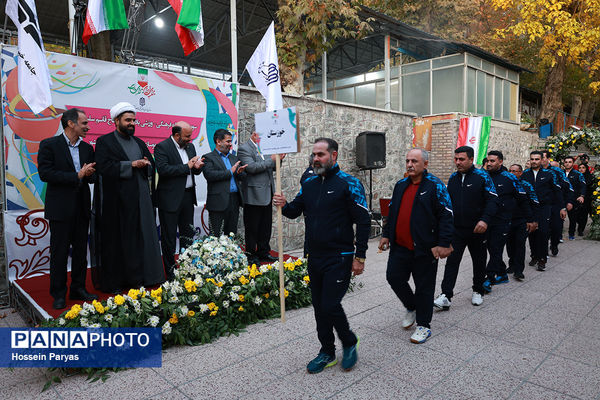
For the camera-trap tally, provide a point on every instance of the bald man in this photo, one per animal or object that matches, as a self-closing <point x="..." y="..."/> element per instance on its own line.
<point x="176" y="163"/>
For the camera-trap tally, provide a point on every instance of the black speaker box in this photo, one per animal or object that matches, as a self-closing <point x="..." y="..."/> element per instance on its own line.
<point x="370" y="150"/>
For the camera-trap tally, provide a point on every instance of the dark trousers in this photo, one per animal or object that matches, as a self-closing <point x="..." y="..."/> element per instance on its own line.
<point x="465" y="238"/>
<point x="556" y="225"/>
<point x="257" y="228"/>
<point x="225" y="222"/>
<point x="66" y="235"/>
<point x="538" y="240"/>
<point x="515" y="246"/>
<point x="401" y="264"/>
<point x="582" y="217"/>
<point x="497" y="236"/>
<point x="329" y="281"/>
<point x="170" y="222"/>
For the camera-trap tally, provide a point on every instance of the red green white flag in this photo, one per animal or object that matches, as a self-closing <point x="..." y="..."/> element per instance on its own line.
<point x="189" y="27"/>
<point x="475" y="132"/>
<point x="104" y="15"/>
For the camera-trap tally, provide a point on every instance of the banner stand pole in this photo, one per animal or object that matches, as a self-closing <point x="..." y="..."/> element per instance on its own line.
<point x="280" y="239"/>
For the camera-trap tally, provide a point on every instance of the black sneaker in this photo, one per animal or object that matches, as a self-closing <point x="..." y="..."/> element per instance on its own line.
<point x="518" y="276"/>
<point x="509" y="270"/>
<point x="554" y="250"/>
<point x="541" y="265"/>
<point x="320" y="362"/>
<point x="533" y="262"/>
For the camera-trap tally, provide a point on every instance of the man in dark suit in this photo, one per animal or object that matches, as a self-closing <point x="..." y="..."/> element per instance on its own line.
<point x="258" y="189"/>
<point x="67" y="164"/>
<point x="176" y="163"/>
<point x="224" y="173"/>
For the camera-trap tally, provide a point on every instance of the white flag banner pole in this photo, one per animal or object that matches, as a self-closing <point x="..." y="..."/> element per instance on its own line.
<point x="263" y="68"/>
<point x="34" y="76"/>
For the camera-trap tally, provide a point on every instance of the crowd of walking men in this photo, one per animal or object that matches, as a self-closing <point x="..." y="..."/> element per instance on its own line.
<point x="484" y="210"/>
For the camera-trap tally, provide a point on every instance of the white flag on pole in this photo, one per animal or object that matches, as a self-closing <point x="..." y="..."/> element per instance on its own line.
<point x="34" y="76"/>
<point x="263" y="68"/>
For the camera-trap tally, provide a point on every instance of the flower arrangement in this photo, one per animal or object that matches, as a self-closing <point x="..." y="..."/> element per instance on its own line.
<point x="214" y="293"/>
<point x="559" y="146"/>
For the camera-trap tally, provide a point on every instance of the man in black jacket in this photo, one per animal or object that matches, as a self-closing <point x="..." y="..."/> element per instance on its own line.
<point x="563" y="200"/>
<point x="67" y="164"/>
<point x="176" y="163"/>
<point x="332" y="202"/>
<point x="511" y="196"/>
<point x="224" y="173"/>
<point x="579" y="187"/>
<point x="475" y="202"/>
<point x="548" y="188"/>
<point x="418" y="232"/>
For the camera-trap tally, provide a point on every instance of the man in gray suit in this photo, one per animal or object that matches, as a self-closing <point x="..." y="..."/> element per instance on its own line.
<point x="177" y="163"/>
<point x="258" y="189"/>
<point x="224" y="173"/>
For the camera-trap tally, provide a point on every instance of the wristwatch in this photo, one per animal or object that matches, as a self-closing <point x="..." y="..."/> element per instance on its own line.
<point x="360" y="259"/>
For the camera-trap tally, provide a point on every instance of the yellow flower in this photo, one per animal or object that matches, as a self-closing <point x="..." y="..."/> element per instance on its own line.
<point x="173" y="319"/>
<point x="306" y="279"/>
<point x="191" y="313"/>
<point x="266" y="295"/>
<point x="219" y="284"/>
<point x="213" y="313"/>
<point x="98" y="306"/>
<point x="190" y="286"/>
<point x="119" y="299"/>
<point x="211" y="306"/>
<point x="243" y="280"/>
<point x="73" y="312"/>
<point x="550" y="150"/>
<point x="561" y="143"/>
<point x="241" y="297"/>
<point x="133" y="293"/>
<point x="286" y="293"/>
<point x="157" y="295"/>
<point x="551" y="145"/>
<point x="595" y="192"/>
<point x="241" y="308"/>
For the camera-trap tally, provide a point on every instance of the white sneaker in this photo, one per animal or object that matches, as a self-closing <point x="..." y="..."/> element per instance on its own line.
<point x="409" y="319"/>
<point x="420" y="335"/>
<point x="477" y="299"/>
<point x="442" y="302"/>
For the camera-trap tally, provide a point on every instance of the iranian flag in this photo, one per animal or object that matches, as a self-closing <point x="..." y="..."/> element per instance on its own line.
<point x="189" y="26"/>
<point x="104" y="15"/>
<point x="475" y="132"/>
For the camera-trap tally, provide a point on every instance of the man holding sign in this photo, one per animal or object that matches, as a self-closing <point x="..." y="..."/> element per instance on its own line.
<point x="332" y="202"/>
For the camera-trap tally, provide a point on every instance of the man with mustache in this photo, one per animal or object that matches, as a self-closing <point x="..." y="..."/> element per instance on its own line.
<point x="67" y="164"/>
<point x="129" y="250"/>
<point x="332" y="202"/>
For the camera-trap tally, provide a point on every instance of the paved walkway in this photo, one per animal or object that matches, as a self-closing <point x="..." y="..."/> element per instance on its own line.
<point x="537" y="339"/>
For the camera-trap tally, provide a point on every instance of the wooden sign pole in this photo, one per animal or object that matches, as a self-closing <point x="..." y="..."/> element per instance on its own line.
<point x="280" y="239"/>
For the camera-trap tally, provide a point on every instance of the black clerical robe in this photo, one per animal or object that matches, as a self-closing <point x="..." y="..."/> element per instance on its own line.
<point x="126" y="234"/>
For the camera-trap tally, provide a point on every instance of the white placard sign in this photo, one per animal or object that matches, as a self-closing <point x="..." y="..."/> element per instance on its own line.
<point x="278" y="131"/>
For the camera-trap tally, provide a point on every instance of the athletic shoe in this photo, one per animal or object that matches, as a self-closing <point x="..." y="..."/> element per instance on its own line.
<point x="500" y="279"/>
<point x="509" y="270"/>
<point x="477" y="299"/>
<point x="409" y="319"/>
<point x="541" y="266"/>
<point x="571" y="237"/>
<point x="421" y="335"/>
<point x="518" y="276"/>
<point x="561" y="240"/>
<point x="533" y="262"/>
<point x="442" y="302"/>
<point x="487" y="286"/>
<point x="320" y="362"/>
<point x="350" y="356"/>
<point x="554" y="250"/>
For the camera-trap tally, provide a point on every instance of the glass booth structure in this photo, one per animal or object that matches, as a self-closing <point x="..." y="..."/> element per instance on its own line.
<point x="456" y="83"/>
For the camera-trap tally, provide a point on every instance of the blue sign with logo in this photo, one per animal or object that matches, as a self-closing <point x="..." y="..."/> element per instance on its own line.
<point x="80" y="347"/>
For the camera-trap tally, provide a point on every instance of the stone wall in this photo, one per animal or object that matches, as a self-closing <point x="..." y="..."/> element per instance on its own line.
<point x="343" y="123"/>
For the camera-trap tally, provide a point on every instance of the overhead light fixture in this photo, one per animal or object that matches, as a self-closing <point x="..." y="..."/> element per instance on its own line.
<point x="158" y="21"/>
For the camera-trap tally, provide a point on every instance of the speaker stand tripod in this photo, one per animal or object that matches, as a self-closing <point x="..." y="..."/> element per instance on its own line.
<point x="375" y="217"/>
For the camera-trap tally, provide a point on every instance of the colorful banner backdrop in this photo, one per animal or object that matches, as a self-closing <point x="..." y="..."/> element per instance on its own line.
<point x="475" y="132"/>
<point x="160" y="98"/>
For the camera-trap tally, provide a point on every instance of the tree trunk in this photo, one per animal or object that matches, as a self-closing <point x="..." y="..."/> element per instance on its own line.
<point x="576" y="105"/>
<point x="292" y="80"/>
<point x="99" y="46"/>
<point x="591" y="110"/>
<point x="552" y="96"/>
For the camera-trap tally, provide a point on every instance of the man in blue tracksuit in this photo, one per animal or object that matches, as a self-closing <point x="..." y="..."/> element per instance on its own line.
<point x="511" y="195"/>
<point x="562" y="201"/>
<point x="579" y="188"/>
<point x="547" y="188"/>
<point x="475" y="202"/>
<point x="332" y="202"/>
<point x="418" y="232"/>
<point x="522" y="224"/>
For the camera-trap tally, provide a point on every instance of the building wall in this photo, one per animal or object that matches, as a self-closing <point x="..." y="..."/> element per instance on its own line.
<point x="343" y="123"/>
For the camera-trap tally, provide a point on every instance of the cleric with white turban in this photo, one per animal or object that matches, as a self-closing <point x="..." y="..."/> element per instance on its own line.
<point x="121" y="108"/>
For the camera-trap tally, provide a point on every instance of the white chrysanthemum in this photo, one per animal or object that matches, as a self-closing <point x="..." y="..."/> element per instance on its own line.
<point x="183" y="310"/>
<point x="173" y="299"/>
<point x="155" y="303"/>
<point x="61" y="321"/>
<point x="194" y="298"/>
<point x="225" y="303"/>
<point x="236" y="288"/>
<point x="96" y="325"/>
<point x="153" y="321"/>
<point x="110" y="303"/>
<point x="108" y="318"/>
<point x="233" y="296"/>
<point x="203" y="308"/>
<point x="257" y="301"/>
<point x="166" y="328"/>
<point x="84" y="313"/>
<point x="290" y="285"/>
<point x="84" y="322"/>
<point x="218" y="291"/>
